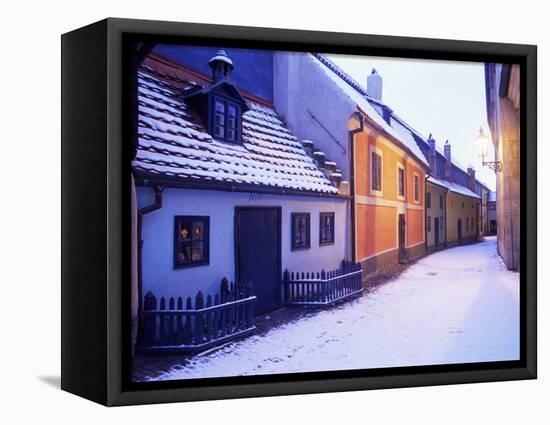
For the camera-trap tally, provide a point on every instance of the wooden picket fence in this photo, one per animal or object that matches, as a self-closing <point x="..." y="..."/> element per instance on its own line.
<point x="172" y="327"/>
<point x="322" y="288"/>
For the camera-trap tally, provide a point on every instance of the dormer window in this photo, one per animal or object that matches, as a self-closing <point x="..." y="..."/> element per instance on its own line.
<point x="226" y="123"/>
<point x="220" y="105"/>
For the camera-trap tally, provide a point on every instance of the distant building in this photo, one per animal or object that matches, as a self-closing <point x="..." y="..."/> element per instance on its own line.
<point x="377" y="154"/>
<point x="492" y="214"/>
<point x="503" y="96"/>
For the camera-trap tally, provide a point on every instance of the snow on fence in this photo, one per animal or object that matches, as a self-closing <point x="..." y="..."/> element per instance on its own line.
<point x="323" y="288"/>
<point x="173" y="328"/>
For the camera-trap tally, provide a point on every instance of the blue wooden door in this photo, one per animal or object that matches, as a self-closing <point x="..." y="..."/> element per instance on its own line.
<point x="258" y="254"/>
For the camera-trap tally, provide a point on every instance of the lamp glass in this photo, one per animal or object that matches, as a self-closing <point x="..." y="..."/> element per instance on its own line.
<point x="482" y="142"/>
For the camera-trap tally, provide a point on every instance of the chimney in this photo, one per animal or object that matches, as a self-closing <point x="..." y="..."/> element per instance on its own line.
<point x="472" y="178"/>
<point x="431" y="155"/>
<point x="374" y="85"/>
<point x="221" y="66"/>
<point x="448" y="163"/>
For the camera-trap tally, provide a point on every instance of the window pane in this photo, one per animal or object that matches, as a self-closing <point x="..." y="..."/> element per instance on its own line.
<point x="185" y="230"/>
<point x="184" y="254"/>
<point x="401" y="178"/>
<point x="326" y="231"/>
<point x="376" y="171"/>
<point x="300" y="228"/>
<point x="191" y="241"/>
<point x="197" y="251"/>
<point x="219" y="119"/>
<point x="220" y="106"/>
<point x="197" y="230"/>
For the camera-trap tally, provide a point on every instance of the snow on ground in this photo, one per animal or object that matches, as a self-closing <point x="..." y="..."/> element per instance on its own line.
<point x="456" y="306"/>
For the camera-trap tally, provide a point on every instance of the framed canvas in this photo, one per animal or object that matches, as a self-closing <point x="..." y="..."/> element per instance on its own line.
<point x="252" y="212"/>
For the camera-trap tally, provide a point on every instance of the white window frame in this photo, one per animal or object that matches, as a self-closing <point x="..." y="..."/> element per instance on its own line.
<point x="400" y="167"/>
<point x="378" y="151"/>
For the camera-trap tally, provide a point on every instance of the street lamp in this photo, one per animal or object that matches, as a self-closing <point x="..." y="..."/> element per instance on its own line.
<point x="482" y="142"/>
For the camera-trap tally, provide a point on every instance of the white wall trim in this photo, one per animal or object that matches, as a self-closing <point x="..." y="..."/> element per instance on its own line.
<point x="416" y="244"/>
<point x="369" y="200"/>
<point x="379" y="253"/>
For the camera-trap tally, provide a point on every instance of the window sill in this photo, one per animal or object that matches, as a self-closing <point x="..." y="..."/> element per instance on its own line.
<point x="185" y="266"/>
<point x="303" y="248"/>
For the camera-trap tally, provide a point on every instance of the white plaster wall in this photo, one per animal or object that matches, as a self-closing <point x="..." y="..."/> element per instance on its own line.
<point x="159" y="275"/>
<point x="299" y="86"/>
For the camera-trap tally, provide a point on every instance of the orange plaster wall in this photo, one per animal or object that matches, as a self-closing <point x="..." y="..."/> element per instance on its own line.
<point x="415" y="226"/>
<point x="391" y="158"/>
<point x="376" y="229"/>
<point x="376" y="225"/>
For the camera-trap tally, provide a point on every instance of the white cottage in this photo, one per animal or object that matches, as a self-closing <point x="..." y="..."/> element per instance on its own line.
<point x="224" y="189"/>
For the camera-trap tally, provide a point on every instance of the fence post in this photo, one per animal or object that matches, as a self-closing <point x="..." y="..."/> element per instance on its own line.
<point x="149" y="321"/>
<point x="207" y="318"/>
<point x="286" y="289"/>
<point x="323" y="286"/>
<point x="199" y="320"/>
<point x="162" y="322"/>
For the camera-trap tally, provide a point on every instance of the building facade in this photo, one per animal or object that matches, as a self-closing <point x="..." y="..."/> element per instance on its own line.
<point x="223" y="189"/>
<point x="492" y="214"/>
<point x="376" y="153"/>
<point x="502" y="88"/>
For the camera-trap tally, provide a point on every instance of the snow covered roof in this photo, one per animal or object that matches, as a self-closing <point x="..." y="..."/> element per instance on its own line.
<point x="173" y="143"/>
<point x="453" y="187"/>
<point x="358" y="95"/>
<point x="398" y="125"/>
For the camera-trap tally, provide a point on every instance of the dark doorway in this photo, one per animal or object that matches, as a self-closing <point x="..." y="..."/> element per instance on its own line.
<point x="258" y="254"/>
<point x="459" y="230"/>
<point x="436" y="231"/>
<point x="402" y="236"/>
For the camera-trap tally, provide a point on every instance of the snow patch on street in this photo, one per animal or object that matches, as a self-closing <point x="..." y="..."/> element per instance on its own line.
<point x="460" y="305"/>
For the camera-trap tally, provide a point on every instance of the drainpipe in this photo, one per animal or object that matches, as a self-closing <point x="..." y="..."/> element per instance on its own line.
<point x="426" y="215"/>
<point x="352" y="134"/>
<point x="156" y="205"/>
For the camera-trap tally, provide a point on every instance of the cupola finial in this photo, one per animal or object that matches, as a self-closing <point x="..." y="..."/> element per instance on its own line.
<point x="221" y="66"/>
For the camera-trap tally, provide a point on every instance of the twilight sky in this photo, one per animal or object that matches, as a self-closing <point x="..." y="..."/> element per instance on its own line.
<point x="444" y="98"/>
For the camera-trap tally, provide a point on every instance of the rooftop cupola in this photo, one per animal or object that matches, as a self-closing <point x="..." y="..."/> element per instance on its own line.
<point x="220" y="104"/>
<point x="221" y="66"/>
<point x="374" y="85"/>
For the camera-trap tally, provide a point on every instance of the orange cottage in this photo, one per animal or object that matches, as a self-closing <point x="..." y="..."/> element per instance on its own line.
<point x="388" y="189"/>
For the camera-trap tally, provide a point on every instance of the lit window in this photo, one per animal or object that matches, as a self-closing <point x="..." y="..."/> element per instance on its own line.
<point x="300" y="231"/>
<point x="326" y="229"/>
<point x="191" y="241"/>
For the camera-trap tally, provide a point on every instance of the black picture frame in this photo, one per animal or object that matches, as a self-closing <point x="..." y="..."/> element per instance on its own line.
<point x="96" y="145"/>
